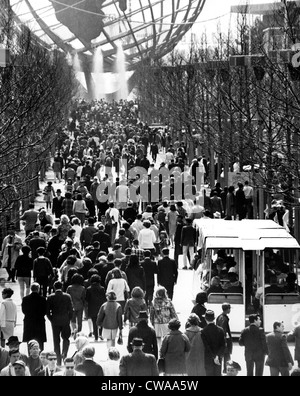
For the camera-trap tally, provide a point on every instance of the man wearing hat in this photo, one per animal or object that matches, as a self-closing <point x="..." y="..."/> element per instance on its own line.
<point x="167" y="272"/>
<point x="146" y="333"/>
<point x="138" y="363"/>
<point x="20" y="368"/>
<point x="9" y="370"/>
<point x="214" y="342"/>
<point x="57" y="208"/>
<point x="233" y="369"/>
<point x="13" y="343"/>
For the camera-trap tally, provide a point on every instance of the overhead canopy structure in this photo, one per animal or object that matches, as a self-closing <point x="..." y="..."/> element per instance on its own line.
<point x="146" y="28"/>
<point x="245" y="235"/>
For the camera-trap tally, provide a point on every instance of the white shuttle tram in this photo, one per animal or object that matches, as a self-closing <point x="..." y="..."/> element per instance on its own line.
<point x="250" y="243"/>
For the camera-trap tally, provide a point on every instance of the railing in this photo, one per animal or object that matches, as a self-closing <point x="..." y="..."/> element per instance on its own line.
<point x="279" y="299"/>
<point x="217" y="298"/>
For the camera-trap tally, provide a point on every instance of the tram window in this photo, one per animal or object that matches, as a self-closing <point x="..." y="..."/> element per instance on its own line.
<point x="274" y="287"/>
<point x="215" y="286"/>
<point x="233" y="285"/>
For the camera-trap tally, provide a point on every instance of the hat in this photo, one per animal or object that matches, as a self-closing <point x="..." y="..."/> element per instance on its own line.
<point x="234" y="365"/>
<point x="20" y="363"/>
<point x="13" y="340"/>
<point x="143" y="315"/>
<point x="210" y="316"/>
<point x="137" y="342"/>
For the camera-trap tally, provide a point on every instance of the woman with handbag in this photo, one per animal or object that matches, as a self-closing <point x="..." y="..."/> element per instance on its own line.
<point x="161" y="312"/>
<point x="174" y="347"/>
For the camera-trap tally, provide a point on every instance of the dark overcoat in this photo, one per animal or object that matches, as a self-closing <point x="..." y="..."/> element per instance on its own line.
<point x="34" y="308"/>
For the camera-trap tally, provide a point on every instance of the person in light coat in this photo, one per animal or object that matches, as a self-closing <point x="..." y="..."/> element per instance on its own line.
<point x="10" y="251"/>
<point x="8" y="315"/>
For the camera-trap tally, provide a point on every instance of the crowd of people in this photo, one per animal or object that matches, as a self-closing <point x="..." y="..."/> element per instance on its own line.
<point x="100" y="251"/>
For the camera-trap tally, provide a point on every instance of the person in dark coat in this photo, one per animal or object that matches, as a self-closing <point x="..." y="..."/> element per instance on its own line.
<point x="35" y="242"/>
<point x="254" y="340"/>
<point x="138" y="363"/>
<point x="57" y="208"/>
<point x="150" y="268"/>
<point x="294" y="336"/>
<point x="223" y="321"/>
<point x="135" y="274"/>
<point x="54" y="249"/>
<point x="167" y="272"/>
<point x="34" y="308"/>
<point x="4" y="358"/>
<point x="213" y="338"/>
<point x="93" y="253"/>
<point x="88" y="366"/>
<point x="279" y="358"/>
<point x="87" y="233"/>
<point x="240" y="202"/>
<point x="42" y="270"/>
<point x="95" y="297"/>
<point x="51" y="368"/>
<point x="177" y="238"/>
<point x="146" y="333"/>
<point x="173" y="349"/>
<point x="130" y="212"/>
<point x="199" y="308"/>
<point x="103" y="238"/>
<point x="60" y="313"/>
<point x="188" y="241"/>
<point x="90" y="206"/>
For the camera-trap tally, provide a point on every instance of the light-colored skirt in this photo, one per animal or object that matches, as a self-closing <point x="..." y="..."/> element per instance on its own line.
<point x="109" y="334"/>
<point x="8" y="330"/>
<point x="161" y="329"/>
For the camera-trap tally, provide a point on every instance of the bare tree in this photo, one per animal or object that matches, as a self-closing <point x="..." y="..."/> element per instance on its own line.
<point x="36" y="88"/>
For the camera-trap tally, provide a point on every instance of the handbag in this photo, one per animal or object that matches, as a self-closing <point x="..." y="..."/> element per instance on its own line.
<point x="161" y="365"/>
<point x="120" y="339"/>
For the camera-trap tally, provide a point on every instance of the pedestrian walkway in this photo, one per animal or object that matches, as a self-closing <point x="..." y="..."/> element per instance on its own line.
<point x="183" y="302"/>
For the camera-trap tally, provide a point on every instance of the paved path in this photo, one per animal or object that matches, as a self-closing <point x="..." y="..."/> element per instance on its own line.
<point x="183" y="297"/>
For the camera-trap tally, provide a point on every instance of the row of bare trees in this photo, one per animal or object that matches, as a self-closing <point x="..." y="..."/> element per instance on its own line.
<point x="36" y="89"/>
<point x="245" y="110"/>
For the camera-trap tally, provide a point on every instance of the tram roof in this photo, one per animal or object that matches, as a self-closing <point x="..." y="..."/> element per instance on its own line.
<point x="245" y="234"/>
